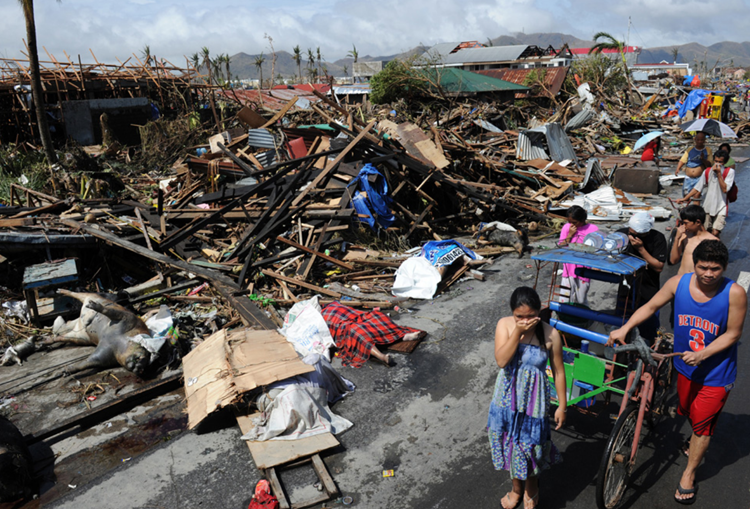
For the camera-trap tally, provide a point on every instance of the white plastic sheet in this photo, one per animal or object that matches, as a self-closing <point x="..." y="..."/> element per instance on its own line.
<point x="416" y="278"/>
<point x="305" y="328"/>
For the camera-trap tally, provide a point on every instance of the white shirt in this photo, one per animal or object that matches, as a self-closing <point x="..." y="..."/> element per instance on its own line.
<point x="714" y="201"/>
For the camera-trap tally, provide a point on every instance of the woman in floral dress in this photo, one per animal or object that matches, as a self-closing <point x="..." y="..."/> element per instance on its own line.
<point x="518" y="427"/>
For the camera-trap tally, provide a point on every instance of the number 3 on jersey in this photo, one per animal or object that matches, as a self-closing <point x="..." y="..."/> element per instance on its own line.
<point x="698" y="342"/>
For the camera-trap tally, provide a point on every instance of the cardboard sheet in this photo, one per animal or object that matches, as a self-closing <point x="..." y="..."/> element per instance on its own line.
<point x="227" y="365"/>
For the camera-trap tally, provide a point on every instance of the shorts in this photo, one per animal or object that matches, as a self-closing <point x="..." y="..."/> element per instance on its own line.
<point x="689" y="184"/>
<point x="717" y="222"/>
<point x="701" y="404"/>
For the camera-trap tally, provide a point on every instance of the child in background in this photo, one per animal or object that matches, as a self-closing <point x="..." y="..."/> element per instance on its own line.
<point x="573" y="232"/>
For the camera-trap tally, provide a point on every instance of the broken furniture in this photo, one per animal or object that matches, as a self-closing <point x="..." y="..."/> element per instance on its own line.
<point x="46" y="276"/>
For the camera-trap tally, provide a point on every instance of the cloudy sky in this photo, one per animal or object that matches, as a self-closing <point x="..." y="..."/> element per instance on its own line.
<point x="116" y="29"/>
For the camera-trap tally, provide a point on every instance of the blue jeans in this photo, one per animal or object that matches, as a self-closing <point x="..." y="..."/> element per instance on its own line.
<point x="689" y="184"/>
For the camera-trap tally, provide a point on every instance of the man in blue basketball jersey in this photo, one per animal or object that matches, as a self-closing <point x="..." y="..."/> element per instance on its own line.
<point x="709" y="316"/>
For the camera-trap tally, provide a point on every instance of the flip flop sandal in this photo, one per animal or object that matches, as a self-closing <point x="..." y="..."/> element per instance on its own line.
<point x="507" y="496"/>
<point x="683" y="491"/>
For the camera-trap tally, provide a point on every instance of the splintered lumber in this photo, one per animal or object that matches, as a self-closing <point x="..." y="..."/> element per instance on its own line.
<point x="251" y="315"/>
<point x="332" y="166"/>
<point x="331" y="259"/>
<point x="303" y="284"/>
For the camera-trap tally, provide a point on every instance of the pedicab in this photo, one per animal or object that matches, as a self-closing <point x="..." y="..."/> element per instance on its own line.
<point x="642" y="380"/>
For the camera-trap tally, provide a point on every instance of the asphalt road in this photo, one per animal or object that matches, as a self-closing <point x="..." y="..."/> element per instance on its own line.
<point x="425" y="419"/>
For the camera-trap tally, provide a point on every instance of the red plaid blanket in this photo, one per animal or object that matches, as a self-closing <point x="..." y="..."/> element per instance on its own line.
<point x="355" y="332"/>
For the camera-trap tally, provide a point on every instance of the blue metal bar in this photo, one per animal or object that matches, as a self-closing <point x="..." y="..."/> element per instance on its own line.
<point x="583" y="333"/>
<point x="599" y="275"/>
<point x="587" y="314"/>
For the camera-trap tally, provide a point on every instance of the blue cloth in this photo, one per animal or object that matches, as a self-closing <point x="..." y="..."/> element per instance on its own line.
<point x="693" y="100"/>
<point x="697" y="325"/>
<point x="445" y="252"/>
<point x="375" y="203"/>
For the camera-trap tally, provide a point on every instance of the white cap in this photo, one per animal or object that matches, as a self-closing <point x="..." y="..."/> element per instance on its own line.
<point x="642" y="222"/>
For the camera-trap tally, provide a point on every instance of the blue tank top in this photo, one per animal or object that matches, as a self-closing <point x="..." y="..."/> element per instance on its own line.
<point x="694" y="157"/>
<point x="696" y="325"/>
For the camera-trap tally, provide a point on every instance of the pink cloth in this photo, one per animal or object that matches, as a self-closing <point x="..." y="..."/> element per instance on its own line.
<point x="569" y="268"/>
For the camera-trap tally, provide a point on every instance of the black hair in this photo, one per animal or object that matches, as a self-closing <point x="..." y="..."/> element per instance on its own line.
<point x="726" y="147"/>
<point x="711" y="251"/>
<point x="722" y="154"/>
<point x="578" y="213"/>
<point x="525" y="296"/>
<point x="693" y="213"/>
<point x="699" y="133"/>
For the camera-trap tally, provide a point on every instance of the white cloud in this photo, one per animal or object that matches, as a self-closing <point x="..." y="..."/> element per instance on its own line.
<point x="173" y="29"/>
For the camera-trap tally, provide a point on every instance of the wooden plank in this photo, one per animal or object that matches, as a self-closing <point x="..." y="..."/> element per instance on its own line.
<point x="278" y="491"/>
<point x="308" y="250"/>
<point x="251" y="315"/>
<point x="334" y="164"/>
<point x="324" y="476"/>
<point x="272" y="453"/>
<point x="303" y="284"/>
<point x="281" y="112"/>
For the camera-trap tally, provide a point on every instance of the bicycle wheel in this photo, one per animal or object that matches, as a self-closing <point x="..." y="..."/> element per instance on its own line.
<point x="615" y="466"/>
<point x="662" y="385"/>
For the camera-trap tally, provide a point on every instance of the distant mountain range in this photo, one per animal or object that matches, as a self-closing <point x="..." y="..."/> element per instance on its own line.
<point x="726" y="54"/>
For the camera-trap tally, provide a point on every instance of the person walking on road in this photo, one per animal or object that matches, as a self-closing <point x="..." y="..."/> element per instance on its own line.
<point x="695" y="160"/>
<point x="517" y="425"/>
<point x="717" y="182"/>
<point x="709" y="317"/>
<point x="690" y="233"/>
<point x="650" y="245"/>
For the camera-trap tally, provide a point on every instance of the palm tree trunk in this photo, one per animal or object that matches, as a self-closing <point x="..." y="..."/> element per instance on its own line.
<point x="36" y="84"/>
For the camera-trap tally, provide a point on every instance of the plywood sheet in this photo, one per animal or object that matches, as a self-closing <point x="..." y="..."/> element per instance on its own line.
<point x="271" y="453"/>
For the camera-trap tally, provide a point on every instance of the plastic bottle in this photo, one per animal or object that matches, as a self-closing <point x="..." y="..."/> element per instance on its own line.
<point x="594" y="239"/>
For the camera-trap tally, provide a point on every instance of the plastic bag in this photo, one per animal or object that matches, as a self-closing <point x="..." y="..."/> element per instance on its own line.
<point x="416" y="278"/>
<point x="305" y="328"/>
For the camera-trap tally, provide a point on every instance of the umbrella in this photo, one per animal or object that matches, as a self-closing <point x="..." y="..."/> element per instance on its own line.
<point x="646" y="138"/>
<point x="709" y="126"/>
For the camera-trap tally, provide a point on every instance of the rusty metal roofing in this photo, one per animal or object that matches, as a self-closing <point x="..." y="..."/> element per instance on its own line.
<point x="273" y="99"/>
<point x="554" y="77"/>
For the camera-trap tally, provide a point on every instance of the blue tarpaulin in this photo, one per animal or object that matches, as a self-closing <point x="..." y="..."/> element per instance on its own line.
<point x="693" y="100"/>
<point x="617" y="264"/>
<point x="372" y="200"/>
<point x="445" y="252"/>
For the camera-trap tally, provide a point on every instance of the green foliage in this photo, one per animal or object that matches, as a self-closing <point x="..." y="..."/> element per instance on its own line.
<point x="400" y="80"/>
<point x="601" y="71"/>
<point x="14" y="165"/>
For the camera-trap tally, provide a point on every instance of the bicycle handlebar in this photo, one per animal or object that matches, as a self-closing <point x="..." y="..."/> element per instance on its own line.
<point x="638" y="345"/>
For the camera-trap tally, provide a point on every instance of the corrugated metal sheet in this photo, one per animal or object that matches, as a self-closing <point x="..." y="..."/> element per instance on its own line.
<point x="458" y="81"/>
<point x="527" y="149"/>
<point x="356" y="89"/>
<point x="559" y="144"/>
<point x="261" y="138"/>
<point x="531" y="144"/>
<point x="479" y="55"/>
<point x="273" y="99"/>
<point x="583" y="117"/>
<point x="266" y="158"/>
<point x="554" y="77"/>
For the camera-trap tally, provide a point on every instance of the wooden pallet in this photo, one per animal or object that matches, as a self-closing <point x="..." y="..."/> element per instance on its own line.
<point x="272" y="456"/>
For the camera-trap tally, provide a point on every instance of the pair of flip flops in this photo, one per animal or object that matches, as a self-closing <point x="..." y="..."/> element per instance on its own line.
<point x="684" y="491"/>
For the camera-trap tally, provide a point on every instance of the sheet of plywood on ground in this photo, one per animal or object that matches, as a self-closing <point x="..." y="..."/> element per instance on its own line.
<point x="226" y="365"/>
<point x="271" y="453"/>
<point x="418" y="144"/>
